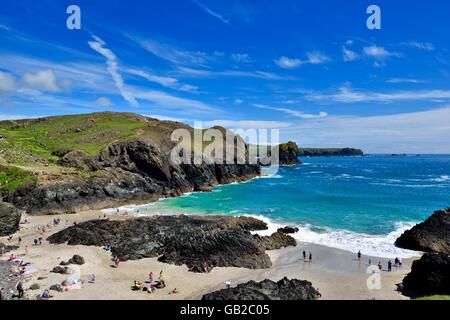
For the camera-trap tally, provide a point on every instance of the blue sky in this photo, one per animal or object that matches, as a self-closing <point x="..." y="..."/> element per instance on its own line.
<point x="309" y="68"/>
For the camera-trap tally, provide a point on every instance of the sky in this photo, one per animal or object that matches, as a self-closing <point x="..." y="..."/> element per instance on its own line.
<point x="311" y="69"/>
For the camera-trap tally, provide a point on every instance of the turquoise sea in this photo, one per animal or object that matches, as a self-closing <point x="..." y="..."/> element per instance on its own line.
<point x="351" y="203"/>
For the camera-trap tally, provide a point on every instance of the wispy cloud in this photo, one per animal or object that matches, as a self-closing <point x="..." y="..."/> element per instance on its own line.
<point x="168" y="82"/>
<point x="241" y="57"/>
<point x="349" y="55"/>
<point x="210" y="12"/>
<point x="427" y="46"/>
<point x="292" y="112"/>
<point x="44" y="80"/>
<point x="380" y="53"/>
<point x="113" y="68"/>
<point x="248" y="124"/>
<point x="348" y="95"/>
<point x="8" y="82"/>
<point x="174" y="55"/>
<point x="103" y="101"/>
<point x="202" y="73"/>
<point x="404" y="80"/>
<point x="314" y="57"/>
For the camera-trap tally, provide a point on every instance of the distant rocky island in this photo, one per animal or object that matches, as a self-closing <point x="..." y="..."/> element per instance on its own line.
<point x="329" y="152"/>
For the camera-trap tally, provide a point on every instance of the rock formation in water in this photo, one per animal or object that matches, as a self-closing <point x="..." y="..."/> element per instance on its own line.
<point x="284" y="289"/>
<point x="197" y="241"/>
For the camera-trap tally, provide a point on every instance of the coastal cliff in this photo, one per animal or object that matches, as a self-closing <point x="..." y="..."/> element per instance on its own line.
<point x="93" y="161"/>
<point x="9" y="219"/>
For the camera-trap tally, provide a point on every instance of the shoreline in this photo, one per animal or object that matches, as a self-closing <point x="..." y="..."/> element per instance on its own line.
<point x="335" y="272"/>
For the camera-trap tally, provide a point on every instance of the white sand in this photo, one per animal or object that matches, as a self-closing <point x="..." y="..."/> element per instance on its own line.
<point x="336" y="273"/>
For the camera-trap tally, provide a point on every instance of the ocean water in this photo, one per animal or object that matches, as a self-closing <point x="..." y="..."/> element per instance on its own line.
<point x="351" y="203"/>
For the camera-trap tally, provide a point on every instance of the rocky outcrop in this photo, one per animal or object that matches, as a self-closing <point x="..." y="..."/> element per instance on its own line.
<point x="429" y="276"/>
<point x="432" y="235"/>
<point x="288" y="230"/>
<point x="329" y="152"/>
<point x="197" y="241"/>
<point x="9" y="219"/>
<point x="284" y="289"/>
<point x="76" y="259"/>
<point x="288" y="153"/>
<point x="123" y="172"/>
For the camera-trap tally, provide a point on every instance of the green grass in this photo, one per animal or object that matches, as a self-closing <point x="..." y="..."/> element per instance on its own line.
<point x="40" y="138"/>
<point x="434" y="298"/>
<point x="12" y="177"/>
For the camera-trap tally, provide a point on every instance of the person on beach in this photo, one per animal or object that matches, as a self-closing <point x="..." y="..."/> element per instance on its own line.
<point x="389" y="266"/>
<point x="19" y="288"/>
<point x="310" y="256"/>
<point x="359" y="255"/>
<point x="370" y="262"/>
<point x="26" y="250"/>
<point x="116" y="262"/>
<point x="150" y="277"/>
<point x="304" y="255"/>
<point x="380" y="266"/>
<point x="19" y="241"/>
<point x="227" y="284"/>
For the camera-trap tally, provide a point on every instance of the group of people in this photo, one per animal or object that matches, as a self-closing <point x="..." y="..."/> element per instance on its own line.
<point x="397" y="263"/>
<point x="152" y="286"/>
<point x="309" y="256"/>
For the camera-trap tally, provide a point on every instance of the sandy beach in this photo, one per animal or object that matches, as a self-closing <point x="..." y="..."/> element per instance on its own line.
<point x="337" y="274"/>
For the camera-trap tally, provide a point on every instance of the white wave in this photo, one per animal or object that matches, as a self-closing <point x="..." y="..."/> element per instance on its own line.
<point x="370" y="245"/>
<point x="442" y="179"/>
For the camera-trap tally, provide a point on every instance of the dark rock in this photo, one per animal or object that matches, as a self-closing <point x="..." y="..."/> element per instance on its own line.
<point x="432" y="235"/>
<point x="9" y="219"/>
<point x="76" y="259"/>
<point x="216" y="241"/>
<point x="59" y="269"/>
<point x="278" y="240"/>
<point x="35" y="286"/>
<point x="284" y="289"/>
<point x="429" y="276"/>
<point x="288" y="230"/>
<point x="77" y="159"/>
<point x="284" y="154"/>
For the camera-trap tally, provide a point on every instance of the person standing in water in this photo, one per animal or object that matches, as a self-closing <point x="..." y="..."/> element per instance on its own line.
<point x="359" y="255"/>
<point x="310" y="256"/>
<point x="304" y="255"/>
<point x="389" y="266"/>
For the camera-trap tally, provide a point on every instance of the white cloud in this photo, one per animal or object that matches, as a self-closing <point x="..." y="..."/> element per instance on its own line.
<point x="314" y="57"/>
<point x="170" y="53"/>
<point x="161" y="117"/>
<point x="247" y="124"/>
<point x="103" y="101"/>
<point x="380" y="53"/>
<point x="420" y="45"/>
<point x="189" y="88"/>
<point x="238" y="101"/>
<point x="210" y="12"/>
<point x="348" y="95"/>
<point x="8" y="82"/>
<point x="349" y="55"/>
<point x="44" y="80"/>
<point x="288" y="63"/>
<point x="112" y="67"/>
<point x="292" y="112"/>
<point x="404" y="80"/>
<point x="241" y="57"/>
<point x="163" y="100"/>
<point x="414" y="132"/>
